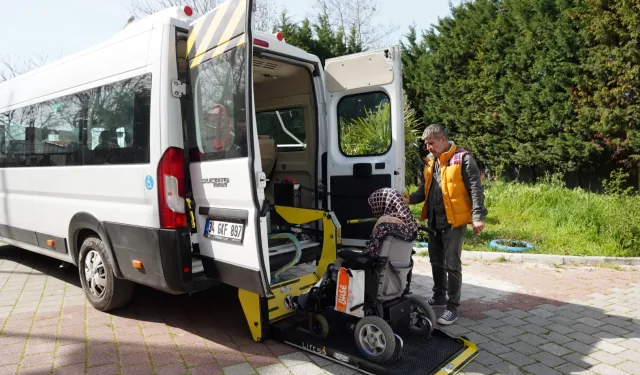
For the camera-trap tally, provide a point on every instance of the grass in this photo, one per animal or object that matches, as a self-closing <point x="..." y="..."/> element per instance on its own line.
<point x="610" y="266"/>
<point x="557" y="220"/>
<point x="501" y="259"/>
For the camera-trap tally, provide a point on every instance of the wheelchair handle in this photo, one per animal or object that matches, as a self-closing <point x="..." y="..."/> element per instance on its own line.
<point x="426" y="229"/>
<point x="359" y="221"/>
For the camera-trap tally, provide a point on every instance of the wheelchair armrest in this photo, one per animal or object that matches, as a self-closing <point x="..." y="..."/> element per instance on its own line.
<point x="356" y="259"/>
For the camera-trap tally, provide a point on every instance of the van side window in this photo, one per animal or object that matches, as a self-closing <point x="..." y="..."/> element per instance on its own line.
<point x="66" y="131"/>
<point x="118" y="122"/>
<point x="364" y="124"/>
<point x="39" y="135"/>
<point x="286" y="126"/>
<point x="219" y="106"/>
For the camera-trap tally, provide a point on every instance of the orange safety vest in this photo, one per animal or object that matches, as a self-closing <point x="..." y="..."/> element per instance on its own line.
<point x="456" y="198"/>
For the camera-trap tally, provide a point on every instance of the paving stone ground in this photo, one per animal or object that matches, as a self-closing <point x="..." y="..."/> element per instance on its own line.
<point x="525" y="318"/>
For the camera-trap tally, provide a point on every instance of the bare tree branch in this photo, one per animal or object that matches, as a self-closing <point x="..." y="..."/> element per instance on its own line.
<point x="14" y="66"/>
<point x="265" y="16"/>
<point x="361" y="15"/>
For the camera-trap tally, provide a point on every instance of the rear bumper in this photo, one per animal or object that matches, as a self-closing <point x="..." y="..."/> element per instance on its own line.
<point x="233" y="274"/>
<point x="164" y="254"/>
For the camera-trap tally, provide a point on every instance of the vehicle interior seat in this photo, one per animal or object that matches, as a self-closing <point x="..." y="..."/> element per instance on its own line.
<point x="268" y="154"/>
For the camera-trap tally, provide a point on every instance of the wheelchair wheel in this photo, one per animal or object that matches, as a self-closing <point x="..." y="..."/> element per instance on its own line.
<point x="422" y="319"/>
<point x="318" y="326"/>
<point x="375" y="339"/>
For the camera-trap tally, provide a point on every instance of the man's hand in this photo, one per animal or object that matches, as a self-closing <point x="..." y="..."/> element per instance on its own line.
<point x="478" y="226"/>
<point x="405" y="198"/>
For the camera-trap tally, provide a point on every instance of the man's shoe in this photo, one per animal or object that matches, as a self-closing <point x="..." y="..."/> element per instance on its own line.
<point x="435" y="303"/>
<point x="448" y="318"/>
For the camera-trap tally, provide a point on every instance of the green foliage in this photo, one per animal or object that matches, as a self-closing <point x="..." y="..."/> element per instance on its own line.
<point x="616" y="184"/>
<point x="550" y="85"/>
<point x="608" y="93"/>
<point x="413" y="162"/>
<point x="558" y="220"/>
<point x="318" y="37"/>
<point x="367" y="135"/>
<point x="371" y="134"/>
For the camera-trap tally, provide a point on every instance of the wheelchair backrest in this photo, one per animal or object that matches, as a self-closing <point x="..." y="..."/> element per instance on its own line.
<point x="393" y="278"/>
<point x="397" y="251"/>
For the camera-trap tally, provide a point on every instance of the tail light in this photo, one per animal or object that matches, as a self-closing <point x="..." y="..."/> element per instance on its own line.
<point x="261" y="43"/>
<point x="171" y="190"/>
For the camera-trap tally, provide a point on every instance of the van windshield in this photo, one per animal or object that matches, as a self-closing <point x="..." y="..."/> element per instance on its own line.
<point x="219" y="106"/>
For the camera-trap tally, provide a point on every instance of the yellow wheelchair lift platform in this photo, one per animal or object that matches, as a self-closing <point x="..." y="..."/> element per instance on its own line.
<point x="269" y="318"/>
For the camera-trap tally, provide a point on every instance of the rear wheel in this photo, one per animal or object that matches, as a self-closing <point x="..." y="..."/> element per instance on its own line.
<point x="103" y="290"/>
<point x="422" y="319"/>
<point x="375" y="339"/>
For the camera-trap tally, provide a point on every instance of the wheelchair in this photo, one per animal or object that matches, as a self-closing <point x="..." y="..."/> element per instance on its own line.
<point x="388" y="302"/>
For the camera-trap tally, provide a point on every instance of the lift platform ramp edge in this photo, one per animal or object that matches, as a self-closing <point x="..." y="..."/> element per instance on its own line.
<point x="269" y="318"/>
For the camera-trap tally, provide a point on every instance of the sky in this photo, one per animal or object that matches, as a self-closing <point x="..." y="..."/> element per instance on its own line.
<point x="57" y="28"/>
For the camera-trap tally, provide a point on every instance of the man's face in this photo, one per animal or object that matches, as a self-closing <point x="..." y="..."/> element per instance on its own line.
<point x="436" y="145"/>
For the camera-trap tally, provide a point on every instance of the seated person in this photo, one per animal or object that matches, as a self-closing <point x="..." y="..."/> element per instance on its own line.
<point x="394" y="219"/>
<point x="107" y="140"/>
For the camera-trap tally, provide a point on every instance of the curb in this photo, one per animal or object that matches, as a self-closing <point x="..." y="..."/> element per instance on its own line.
<point x="544" y="258"/>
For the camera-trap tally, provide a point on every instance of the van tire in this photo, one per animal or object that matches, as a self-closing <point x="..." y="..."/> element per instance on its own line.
<point x="115" y="293"/>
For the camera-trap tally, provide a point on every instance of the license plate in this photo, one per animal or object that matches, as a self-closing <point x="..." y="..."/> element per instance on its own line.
<point x="224" y="231"/>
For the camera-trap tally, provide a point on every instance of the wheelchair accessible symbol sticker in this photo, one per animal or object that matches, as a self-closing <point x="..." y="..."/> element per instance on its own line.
<point x="148" y="182"/>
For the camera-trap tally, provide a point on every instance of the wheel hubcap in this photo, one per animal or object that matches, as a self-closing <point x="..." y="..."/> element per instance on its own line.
<point x="95" y="274"/>
<point x="372" y="340"/>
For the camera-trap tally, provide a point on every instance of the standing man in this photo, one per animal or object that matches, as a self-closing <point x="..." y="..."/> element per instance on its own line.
<point x="453" y="197"/>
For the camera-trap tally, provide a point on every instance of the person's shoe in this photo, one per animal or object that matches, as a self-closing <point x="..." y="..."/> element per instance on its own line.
<point x="291" y="302"/>
<point x="436" y="303"/>
<point x="448" y="318"/>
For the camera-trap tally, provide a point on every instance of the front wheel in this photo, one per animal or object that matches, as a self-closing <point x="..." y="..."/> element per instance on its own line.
<point x="104" y="291"/>
<point x="318" y="326"/>
<point x="375" y="339"/>
<point x="422" y="319"/>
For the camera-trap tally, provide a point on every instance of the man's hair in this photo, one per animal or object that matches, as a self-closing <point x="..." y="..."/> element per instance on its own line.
<point x="435" y="130"/>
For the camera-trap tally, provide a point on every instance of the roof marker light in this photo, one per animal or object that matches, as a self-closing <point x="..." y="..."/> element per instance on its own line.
<point x="187" y="10"/>
<point x="279" y="36"/>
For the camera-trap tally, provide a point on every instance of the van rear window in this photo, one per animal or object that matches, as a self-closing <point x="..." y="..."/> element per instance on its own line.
<point x="364" y="122"/>
<point x="219" y="106"/>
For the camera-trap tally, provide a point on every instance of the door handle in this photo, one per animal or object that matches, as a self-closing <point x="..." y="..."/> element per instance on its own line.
<point x="362" y="170"/>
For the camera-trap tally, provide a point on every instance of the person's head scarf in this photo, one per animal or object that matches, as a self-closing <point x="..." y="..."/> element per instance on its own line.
<point x="388" y="202"/>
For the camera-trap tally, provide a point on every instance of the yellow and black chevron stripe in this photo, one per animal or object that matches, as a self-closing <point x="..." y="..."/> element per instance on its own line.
<point x="217" y="31"/>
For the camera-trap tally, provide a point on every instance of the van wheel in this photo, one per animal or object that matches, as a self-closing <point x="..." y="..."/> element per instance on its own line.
<point x="103" y="290"/>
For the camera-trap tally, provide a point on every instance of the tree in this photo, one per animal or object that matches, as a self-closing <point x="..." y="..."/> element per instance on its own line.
<point x="13" y="66"/>
<point x="318" y="38"/>
<point x="498" y="74"/>
<point x="339" y="27"/>
<point x="357" y="21"/>
<point x="264" y="19"/>
<point x="607" y="96"/>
